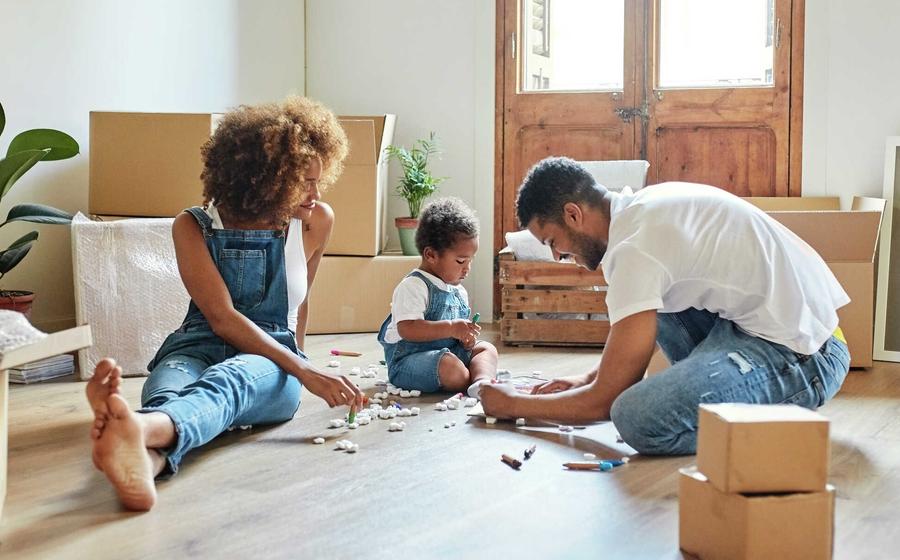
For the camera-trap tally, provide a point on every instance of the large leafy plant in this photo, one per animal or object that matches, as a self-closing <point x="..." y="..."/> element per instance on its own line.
<point x="25" y="150"/>
<point x="417" y="182"/>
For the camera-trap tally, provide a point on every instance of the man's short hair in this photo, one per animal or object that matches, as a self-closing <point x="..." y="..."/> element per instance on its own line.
<point x="550" y="184"/>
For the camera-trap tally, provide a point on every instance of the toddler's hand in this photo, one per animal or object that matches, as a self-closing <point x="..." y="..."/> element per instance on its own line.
<point x="335" y="390"/>
<point x="464" y="331"/>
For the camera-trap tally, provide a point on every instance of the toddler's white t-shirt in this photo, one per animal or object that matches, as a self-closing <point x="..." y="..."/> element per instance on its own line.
<point x="410" y="301"/>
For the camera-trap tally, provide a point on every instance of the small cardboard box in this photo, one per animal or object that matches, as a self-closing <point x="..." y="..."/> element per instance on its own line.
<point x="359" y="196"/>
<point x="55" y="344"/>
<point x="716" y="525"/>
<point x="763" y="448"/>
<point x="146" y="164"/>
<point x="847" y="240"/>
<point x="353" y="294"/>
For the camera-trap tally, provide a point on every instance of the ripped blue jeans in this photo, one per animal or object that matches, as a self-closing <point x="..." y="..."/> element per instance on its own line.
<point x="204" y="398"/>
<point x="714" y="361"/>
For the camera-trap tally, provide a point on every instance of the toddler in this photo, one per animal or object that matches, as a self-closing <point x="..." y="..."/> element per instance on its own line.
<point x="429" y="342"/>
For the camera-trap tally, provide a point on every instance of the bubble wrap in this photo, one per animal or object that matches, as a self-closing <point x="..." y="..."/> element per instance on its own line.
<point x="16" y="331"/>
<point x="127" y="288"/>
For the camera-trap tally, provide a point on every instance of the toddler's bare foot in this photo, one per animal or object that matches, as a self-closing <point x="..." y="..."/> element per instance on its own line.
<point x="121" y="455"/>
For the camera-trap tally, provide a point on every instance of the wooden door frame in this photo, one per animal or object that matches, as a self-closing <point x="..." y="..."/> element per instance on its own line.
<point x="502" y="51"/>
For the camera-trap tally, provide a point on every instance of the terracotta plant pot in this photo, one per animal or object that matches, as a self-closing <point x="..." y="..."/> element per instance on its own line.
<point x="17" y="300"/>
<point x="406" y="227"/>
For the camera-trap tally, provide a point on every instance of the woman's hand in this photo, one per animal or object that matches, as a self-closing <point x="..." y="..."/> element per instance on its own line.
<point x="336" y="390"/>
<point x="558" y="385"/>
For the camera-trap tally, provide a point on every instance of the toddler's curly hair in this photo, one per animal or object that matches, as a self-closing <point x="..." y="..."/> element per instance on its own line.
<point x="444" y="222"/>
<point x="254" y="163"/>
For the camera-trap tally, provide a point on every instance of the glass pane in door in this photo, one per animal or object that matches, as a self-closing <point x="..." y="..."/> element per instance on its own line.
<point x="716" y="43"/>
<point x="572" y="45"/>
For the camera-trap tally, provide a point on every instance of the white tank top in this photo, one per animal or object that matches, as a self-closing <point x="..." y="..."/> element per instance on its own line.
<point x="294" y="264"/>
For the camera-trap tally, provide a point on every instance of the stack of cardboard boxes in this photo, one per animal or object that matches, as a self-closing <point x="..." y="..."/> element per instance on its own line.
<point x="759" y="489"/>
<point x="355" y="280"/>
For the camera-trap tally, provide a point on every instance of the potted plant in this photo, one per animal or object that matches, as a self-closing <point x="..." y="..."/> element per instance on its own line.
<point x="415" y="186"/>
<point x="25" y="150"/>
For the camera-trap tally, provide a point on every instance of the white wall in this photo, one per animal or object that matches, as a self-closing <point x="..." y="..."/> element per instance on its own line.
<point x="60" y="59"/>
<point x="851" y="94"/>
<point x="432" y="64"/>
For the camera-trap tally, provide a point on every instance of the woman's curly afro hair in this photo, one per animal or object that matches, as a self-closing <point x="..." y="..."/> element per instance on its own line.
<point x="254" y="163"/>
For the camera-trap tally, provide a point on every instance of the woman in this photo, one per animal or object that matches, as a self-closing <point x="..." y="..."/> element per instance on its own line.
<point x="247" y="259"/>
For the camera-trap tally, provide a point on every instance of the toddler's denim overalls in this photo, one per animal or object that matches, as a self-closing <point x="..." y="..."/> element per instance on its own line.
<point x="207" y="386"/>
<point x="414" y="365"/>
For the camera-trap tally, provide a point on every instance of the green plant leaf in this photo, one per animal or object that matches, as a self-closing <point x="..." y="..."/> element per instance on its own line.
<point x="62" y="146"/>
<point x="16" y="252"/>
<point x="2" y="119"/>
<point x="38" y="214"/>
<point x="14" y="166"/>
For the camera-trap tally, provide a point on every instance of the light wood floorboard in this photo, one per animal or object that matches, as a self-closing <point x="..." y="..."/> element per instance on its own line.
<point x="426" y="492"/>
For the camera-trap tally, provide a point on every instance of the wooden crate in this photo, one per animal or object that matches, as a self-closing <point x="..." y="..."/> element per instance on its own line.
<point x="548" y="287"/>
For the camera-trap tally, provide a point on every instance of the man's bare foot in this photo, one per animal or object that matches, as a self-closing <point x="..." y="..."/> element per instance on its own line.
<point x="106" y="381"/>
<point x="123" y="458"/>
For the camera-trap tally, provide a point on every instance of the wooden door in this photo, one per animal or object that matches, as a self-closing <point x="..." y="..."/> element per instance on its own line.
<point x="719" y="109"/>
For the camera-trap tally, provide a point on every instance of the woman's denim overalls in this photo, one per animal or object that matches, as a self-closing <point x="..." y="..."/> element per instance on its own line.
<point x="414" y="365"/>
<point x="207" y="386"/>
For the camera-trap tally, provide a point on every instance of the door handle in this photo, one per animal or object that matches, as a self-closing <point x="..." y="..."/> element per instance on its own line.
<point x="628" y="113"/>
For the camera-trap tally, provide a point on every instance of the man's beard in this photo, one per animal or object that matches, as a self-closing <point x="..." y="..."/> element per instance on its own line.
<point x="590" y="250"/>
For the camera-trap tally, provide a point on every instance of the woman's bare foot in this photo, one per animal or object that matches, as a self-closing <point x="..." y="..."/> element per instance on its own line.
<point x="121" y="455"/>
<point x="105" y="382"/>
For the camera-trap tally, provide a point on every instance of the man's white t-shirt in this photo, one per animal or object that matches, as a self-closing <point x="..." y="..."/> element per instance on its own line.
<point x="674" y="246"/>
<point x="411" y="300"/>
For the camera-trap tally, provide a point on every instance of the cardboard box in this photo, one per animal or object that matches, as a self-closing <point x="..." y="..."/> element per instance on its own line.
<point x="353" y="294"/>
<point x="55" y="344"/>
<point x="847" y="240"/>
<point x="147" y="164"/>
<point x="763" y="448"/>
<point x="359" y="197"/>
<point x="716" y="525"/>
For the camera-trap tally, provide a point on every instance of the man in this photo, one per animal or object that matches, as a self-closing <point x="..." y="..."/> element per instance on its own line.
<point x="744" y="310"/>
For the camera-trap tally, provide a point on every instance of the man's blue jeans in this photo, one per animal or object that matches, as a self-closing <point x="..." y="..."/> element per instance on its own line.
<point x="713" y="361"/>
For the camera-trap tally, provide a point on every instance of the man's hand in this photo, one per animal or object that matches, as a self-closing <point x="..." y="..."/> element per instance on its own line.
<point x="499" y="400"/>
<point x="335" y="390"/>
<point x="558" y="385"/>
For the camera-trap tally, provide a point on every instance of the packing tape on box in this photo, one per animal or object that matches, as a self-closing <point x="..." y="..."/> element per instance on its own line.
<point x="127" y="287"/>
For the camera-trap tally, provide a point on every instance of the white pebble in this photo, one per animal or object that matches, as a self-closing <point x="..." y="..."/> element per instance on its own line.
<point x="334" y="363"/>
<point x="452" y="423"/>
<point x="363" y="420"/>
<point x="395" y="427"/>
<point x="404" y="394"/>
<point x="440" y="406"/>
<point x="470" y="401"/>
<point x="392" y="412"/>
<point x="589" y="456"/>
<point x="341" y="444"/>
<point x="490" y="419"/>
<point x="375" y="406"/>
<point x="415" y="393"/>
<point x="336" y="423"/>
<point x="384" y="414"/>
<point x="375" y="402"/>
<point x="353" y="425"/>
<point x="393" y="390"/>
<point x="563" y="428"/>
<point x="520" y="421"/>
<point x="319" y="440"/>
<point x="446" y="425"/>
<point x="353" y="448"/>
<point x="414" y="411"/>
<point x="355" y="370"/>
<point x="404" y="412"/>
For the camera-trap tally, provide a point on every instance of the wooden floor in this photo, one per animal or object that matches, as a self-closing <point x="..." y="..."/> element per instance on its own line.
<point x="426" y="492"/>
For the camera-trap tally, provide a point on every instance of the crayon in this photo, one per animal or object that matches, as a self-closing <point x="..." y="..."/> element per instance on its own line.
<point x="346" y="353"/>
